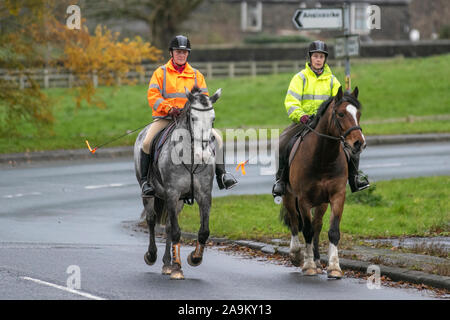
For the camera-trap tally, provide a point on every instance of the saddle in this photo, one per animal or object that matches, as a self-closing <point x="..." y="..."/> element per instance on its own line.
<point x="158" y="142"/>
<point x="297" y="139"/>
<point x="155" y="149"/>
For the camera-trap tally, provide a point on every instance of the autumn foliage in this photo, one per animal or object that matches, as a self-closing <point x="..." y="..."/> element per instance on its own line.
<point x="34" y="35"/>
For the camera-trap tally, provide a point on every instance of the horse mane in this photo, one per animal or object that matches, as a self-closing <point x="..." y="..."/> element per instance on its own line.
<point x="196" y="91"/>
<point x="347" y="97"/>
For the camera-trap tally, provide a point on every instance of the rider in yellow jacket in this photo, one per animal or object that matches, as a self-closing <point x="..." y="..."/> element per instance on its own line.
<point x="307" y="91"/>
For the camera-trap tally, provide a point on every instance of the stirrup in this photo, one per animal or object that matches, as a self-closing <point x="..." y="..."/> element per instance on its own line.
<point x="147" y="192"/>
<point x="359" y="183"/>
<point x="281" y="188"/>
<point x="277" y="194"/>
<point x="230" y="183"/>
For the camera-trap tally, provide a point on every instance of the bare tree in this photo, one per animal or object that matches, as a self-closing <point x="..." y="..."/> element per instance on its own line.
<point x="163" y="17"/>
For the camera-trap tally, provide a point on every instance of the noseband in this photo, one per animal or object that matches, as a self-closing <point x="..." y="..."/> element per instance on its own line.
<point x="338" y="124"/>
<point x="193" y="169"/>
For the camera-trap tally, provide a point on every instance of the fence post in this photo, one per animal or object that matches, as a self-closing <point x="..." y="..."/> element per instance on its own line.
<point x="231" y="70"/>
<point x="253" y="68"/>
<point x="209" y="70"/>
<point x="46" y="79"/>
<point x="142" y="77"/>
<point x="22" y="81"/>
<point x="95" y="78"/>
<point x="275" y="67"/>
<point x="71" y="80"/>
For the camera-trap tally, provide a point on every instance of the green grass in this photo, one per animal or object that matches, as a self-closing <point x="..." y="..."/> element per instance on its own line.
<point x="393" y="88"/>
<point x="414" y="207"/>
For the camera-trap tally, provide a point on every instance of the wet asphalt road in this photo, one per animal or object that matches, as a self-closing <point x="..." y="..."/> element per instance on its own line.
<point x="56" y="215"/>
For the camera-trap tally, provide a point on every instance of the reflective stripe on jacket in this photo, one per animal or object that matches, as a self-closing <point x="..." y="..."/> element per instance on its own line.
<point x="307" y="91"/>
<point x="167" y="88"/>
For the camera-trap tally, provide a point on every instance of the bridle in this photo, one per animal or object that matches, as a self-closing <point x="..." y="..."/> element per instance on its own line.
<point x="193" y="169"/>
<point x="338" y="124"/>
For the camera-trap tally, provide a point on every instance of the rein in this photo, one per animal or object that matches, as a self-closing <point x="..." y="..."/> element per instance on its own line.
<point x="192" y="169"/>
<point x="341" y="137"/>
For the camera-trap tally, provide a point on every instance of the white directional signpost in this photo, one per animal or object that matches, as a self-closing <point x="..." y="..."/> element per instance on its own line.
<point x="331" y="19"/>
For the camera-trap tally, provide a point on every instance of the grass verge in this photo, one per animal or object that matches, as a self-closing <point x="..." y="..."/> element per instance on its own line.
<point x="393" y="88"/>
<point x="406" y="207"/>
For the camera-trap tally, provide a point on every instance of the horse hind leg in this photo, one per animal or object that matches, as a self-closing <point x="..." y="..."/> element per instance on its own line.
<point x="292" y="219"/>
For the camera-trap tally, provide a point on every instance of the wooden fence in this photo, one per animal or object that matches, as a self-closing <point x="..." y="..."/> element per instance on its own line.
<point x="53" y="78"/>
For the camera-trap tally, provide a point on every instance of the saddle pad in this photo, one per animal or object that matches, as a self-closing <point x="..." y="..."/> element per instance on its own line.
<point x="160" y="139"/>
<point x="298" y="139"/>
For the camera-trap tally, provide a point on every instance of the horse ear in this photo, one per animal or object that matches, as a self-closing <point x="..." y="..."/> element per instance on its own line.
<point x="189" y="95"/>
<point x="355" y="92"/>
<point x="339" y="94"/>
<point x="216" y="95"/>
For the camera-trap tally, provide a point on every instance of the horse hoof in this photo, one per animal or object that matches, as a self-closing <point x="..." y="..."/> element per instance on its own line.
<point x="319" y="267"/>
<point x="167" y="270"/>
<point x="177" y="275"/>
<point x="310" y="272"/>
<point x="335" y="274"/>
<point x="296" y="259"/>
<point x="194" y="262"/>
<point x="149" y="258"/>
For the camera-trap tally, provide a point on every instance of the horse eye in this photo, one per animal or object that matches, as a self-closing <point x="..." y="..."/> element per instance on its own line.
<point x="340" y="114"/>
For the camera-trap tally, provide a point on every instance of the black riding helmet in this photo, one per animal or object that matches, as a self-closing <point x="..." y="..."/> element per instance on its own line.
<point x="318" y="46"/>
<point x="181" y="43"/>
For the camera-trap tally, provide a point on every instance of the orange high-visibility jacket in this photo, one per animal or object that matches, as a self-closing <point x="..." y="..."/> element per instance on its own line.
<point x="167" y="88"/>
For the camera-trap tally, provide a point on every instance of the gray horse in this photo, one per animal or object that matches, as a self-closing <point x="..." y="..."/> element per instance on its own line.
<point x="184" y="171"/>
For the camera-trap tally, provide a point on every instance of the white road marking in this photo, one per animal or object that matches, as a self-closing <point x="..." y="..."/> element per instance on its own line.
<point x="19" y="195"/>
<point x="84" y="294"/>
<point x="100" y="186"/>
<point x="382" y="165"/>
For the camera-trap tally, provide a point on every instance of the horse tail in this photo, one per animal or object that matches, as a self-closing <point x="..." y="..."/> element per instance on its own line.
<point x="161" y="211"/>
<point x="284" y="216"/>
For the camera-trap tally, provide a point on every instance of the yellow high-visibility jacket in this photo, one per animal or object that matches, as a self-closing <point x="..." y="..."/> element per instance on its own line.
<point x="307" y="91"/>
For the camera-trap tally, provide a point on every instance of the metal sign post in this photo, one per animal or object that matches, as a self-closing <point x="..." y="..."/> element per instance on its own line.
<point x="348" y="84"/>
<point x="332" y="19"/>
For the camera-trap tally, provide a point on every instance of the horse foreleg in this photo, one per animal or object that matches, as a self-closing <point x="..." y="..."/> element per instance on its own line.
<point x="175" y="232"/>
<point x="195" y="257"/>
<point x="317" y="227"/>
<point x="150" y="255"/>
<point x="167" y="259"/>
<point x="333" y="269"/>
<point x="294" y="221"/>
<point x="309" y="267"/>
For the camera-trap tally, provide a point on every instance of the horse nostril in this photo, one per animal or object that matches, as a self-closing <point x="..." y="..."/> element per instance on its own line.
<point x="357" y="146"/>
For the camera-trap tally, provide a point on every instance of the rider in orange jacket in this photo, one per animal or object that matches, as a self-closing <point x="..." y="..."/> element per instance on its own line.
<point x="166" y="96"/>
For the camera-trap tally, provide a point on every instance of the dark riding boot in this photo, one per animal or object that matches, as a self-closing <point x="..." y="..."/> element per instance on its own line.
<point x="224" y="179"/>
<point x="147" y="189"/>
<point x="279" y="188"/>
<point x="356" y="179"/>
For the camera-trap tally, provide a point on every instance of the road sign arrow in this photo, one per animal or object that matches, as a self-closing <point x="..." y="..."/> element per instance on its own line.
<point x="328" y="18"/>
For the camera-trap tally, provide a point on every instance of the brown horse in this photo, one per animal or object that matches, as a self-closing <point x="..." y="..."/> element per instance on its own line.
<point x="318" y="176"/>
